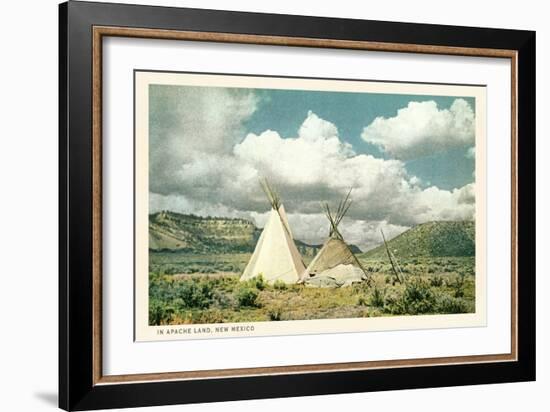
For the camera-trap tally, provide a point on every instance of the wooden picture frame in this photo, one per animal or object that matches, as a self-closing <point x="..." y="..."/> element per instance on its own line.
<point x="82" y="28"/>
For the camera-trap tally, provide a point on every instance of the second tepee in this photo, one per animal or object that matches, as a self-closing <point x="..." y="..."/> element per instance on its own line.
<point x="275" y="256"/>
<point x="335" y="264"/>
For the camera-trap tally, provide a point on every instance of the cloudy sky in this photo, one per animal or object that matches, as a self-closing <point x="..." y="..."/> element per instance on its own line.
<point x="409" y="159"/>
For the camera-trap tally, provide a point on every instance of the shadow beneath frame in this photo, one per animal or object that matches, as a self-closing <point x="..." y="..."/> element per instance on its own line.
<point x="49" y="398"/>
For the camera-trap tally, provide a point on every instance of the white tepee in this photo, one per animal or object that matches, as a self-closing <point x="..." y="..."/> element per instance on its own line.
<point x="335" y="264"/>
<point x="275" y="256"/>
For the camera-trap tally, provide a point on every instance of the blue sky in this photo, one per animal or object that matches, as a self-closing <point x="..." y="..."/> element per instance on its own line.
<point x="285" y="110"/>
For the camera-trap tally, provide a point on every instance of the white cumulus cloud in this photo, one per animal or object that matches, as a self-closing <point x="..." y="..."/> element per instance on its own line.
<point x="422" y="128"/>
<point x="221" y="176"/>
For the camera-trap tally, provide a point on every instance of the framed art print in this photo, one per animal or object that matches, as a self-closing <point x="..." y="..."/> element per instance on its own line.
<point x="261" y="205"/>
<point x="228" y="245"/>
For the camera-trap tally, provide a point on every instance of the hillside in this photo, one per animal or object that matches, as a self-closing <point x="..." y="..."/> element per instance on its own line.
<point x="169" y="231"/>
<point x="432" y="239"/>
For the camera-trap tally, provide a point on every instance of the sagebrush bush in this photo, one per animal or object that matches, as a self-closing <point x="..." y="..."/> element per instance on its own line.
<point x="188" y="293"/>
<point x="393" y="303"/>
<point x="257" y="282"/>
<point x="160" y="313"/>
<point x="275" y="313"/>
<point x="436" y="281"/>
<point x="377" y="298"/>
<point x="279" y="285"/>
<point x="247" y="297"/>
<point x="170" y="270"/>
<point x="223" y="299"/>
<point x="458" y="285"/>
<point x="195" y="294"/>
<point x="208" y="316"/>
<point x="417" y="298"/>
<point x="448" y="304"/>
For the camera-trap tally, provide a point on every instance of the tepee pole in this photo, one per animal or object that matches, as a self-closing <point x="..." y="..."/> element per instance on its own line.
<point x="393" y="261"/>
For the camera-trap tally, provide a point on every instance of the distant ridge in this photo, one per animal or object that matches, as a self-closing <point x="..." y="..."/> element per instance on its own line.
<point x="176" y="232"/>
<point x="432" y="239"/>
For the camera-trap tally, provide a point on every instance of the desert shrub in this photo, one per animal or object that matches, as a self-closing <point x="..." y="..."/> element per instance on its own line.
<point x="194" y="293"/>
<point x="222" y="299"/>
<point x="436" y="281"/>
<point x="170" y="270"/>
<point x="181" y="293"/>
<point x="458" y="285"/>
<point x="160" y="288"/>
<point x="229" y="282"/>
<point x="279" y="285"/>
<point x="377" y="298"/>
<point x="160" y="313"/>
<point x="393" y="303"/>
<point x="257" y="282"/>
<point x="449" y="304"/>
<point x="388" y="279"/>
<point x="417" y="298"/>
<point x="362" y="301"/>
<point x="275" y="313"/>
<point x="247" y="297"/>
<point x="208" y="316"/>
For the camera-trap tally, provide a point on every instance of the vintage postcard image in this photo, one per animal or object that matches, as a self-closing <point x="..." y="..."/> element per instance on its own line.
<point x="278" y="206"/>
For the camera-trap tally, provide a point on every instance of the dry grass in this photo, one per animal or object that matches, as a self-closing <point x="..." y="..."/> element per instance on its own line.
<point x="441" y="285"/>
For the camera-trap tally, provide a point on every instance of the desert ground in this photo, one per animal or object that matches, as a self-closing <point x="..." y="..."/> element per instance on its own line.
<point x="201" y="288"/>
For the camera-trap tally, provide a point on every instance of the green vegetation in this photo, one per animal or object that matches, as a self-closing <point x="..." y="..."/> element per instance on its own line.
<point x="201" y="284"/>
<point x="221" y="297"/>
<point x="377" y="297"/>
<point x="170" y="263"/>
<point x="433" y="239"/>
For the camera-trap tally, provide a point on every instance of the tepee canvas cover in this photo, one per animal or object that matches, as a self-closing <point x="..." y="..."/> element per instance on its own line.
<point x="335" y="260"/>
<point x="334" y="252"/>
<point x="275" y="257"/>
<point x="334" y="266"/>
